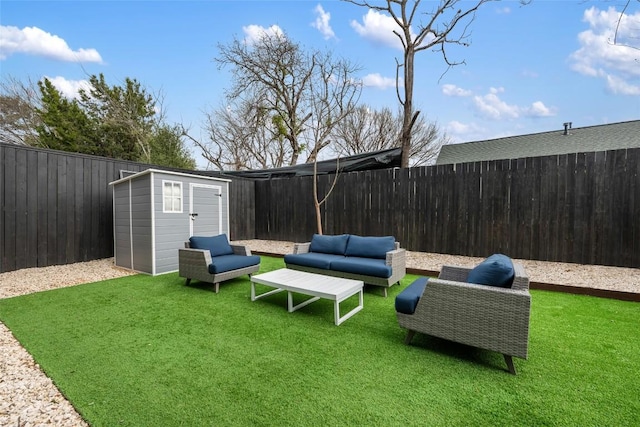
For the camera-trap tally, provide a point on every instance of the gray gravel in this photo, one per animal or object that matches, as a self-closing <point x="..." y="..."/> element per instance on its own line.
<point x="29" y="398"/>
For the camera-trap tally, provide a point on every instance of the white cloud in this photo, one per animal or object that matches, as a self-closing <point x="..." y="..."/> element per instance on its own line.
<point x="453" y="90"/>
<point x="538" y="109"/>
<point x="463" y="132"/>
<point x="457" y="128"/>
<point x="378" y="28"/>
<point x="619" y="86"/>
<point x="599" y="57"/>
<point x="503" y="10"/>
<point x="492" y="107"/>
<point x="69" y="88"/>
<point x="378" y="81"/>
<point x="322" y="23"/>
<point x="34" y="41"/>
<point x="254" y="33"/>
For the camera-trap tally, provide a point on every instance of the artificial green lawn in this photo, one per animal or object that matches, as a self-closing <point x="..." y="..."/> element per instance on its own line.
<point x="150" y="351"/>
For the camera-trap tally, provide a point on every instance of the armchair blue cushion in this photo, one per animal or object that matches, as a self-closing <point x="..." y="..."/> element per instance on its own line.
<point x="370" y="247"/>
<point x="407" y="300"/>
<point x="497" y="270"/>
<point x="217" y="245"/>
<point x="329" y="244"/>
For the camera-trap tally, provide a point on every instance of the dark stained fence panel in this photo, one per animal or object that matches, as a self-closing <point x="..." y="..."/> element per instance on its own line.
<point x="242" y="210"/>
<point x="579" y="208"/>
<point x="56" y="207"/>
<point x="582" y="208"/>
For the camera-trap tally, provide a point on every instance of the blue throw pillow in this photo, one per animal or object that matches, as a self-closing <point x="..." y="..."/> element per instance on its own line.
<point x="497" y="270"/>
<point x="370" y="247"/>
<point x="217" y="245"/>
<point x="329" y="244"/>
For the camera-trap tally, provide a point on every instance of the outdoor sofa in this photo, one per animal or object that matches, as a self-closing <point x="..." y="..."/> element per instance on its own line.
<point x="376" y="260"/>
<point x="487" y="307"/>
<point x="214" y="260"/>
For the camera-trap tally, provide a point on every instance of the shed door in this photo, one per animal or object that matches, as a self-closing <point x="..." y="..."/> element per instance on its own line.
<point x="205" y="210"/>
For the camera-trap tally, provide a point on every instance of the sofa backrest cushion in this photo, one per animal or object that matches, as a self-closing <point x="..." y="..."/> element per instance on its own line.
<point x="217" y="245"/>
<point x="497" y="270"/>
<point x="370" y="247"/>
<point x="329" y="244"/>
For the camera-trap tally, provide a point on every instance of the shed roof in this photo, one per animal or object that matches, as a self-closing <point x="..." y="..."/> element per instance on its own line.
<point x="612" y="136"/>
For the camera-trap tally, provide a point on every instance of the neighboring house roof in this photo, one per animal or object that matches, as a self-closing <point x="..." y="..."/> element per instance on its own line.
<point x="612" y="136"/>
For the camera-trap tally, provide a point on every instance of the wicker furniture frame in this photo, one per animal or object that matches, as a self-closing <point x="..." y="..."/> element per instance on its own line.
<point x="481" y="316"/>
<point x="396" y="259"/>
<point x="194" y="264"/>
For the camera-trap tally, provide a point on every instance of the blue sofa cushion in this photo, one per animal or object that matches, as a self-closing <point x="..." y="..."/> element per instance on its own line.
<point x="329" y="244"/>
<point x="366" y="266"/>
<point x="497" y="270"/>
<point x="223" y="263"/>
<point x="407" y="300"/>
<point x="370" y="247"/>
<point x="217" y="245"/>
<point x="312" y="259"/>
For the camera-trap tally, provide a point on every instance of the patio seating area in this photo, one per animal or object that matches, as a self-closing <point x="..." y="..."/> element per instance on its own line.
<point x="443" y="382"/>
<point x="170" y="344"/>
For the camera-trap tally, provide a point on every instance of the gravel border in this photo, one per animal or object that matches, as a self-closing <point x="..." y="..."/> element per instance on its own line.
<point x="29" y="398"/>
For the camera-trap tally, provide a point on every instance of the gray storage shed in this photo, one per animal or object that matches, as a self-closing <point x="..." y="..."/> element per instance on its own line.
<point x="155" y="212"/>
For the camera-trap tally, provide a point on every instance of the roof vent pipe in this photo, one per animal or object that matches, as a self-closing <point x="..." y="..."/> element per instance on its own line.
<point x="567" y="126"/>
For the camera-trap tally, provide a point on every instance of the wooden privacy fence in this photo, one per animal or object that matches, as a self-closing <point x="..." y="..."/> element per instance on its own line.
<point x="56" y="207"/>
<point x="582" y="208"/>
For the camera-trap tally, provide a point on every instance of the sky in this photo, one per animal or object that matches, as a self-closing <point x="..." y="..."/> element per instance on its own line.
<point x="527" y="69"/>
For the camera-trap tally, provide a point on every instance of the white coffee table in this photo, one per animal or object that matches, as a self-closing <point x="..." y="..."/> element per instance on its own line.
<point x="315" y="285"/>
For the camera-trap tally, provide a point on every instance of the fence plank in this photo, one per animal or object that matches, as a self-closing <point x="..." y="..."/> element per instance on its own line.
<point x="21" y="213"/>
<point x="9" y="210"/>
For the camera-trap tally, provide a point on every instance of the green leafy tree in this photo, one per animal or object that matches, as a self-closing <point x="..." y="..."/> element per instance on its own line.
<point x="64" y="124"/>
<point x="167" y="148"/>
<point x="124" y="115"/>
<point x="119" y="122"/>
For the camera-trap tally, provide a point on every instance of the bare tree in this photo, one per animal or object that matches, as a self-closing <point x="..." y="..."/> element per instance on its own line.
<point x="301" y="95"/>
<point x="333" y="96"/>
<point x="367" y="129"/>
<point x="616" y="37"/>
<point x="243" y="136"/>
<point x="19" y="118"/>
<point x="445" y="24"/>
<point x="317" y="203"/>
<point x="427" y="140"/>
<point x="278" y="71"/>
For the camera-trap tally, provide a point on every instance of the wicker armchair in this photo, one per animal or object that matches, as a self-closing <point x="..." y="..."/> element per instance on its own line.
<point x="481" y="316"/>
<point x="194" y="264"/>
